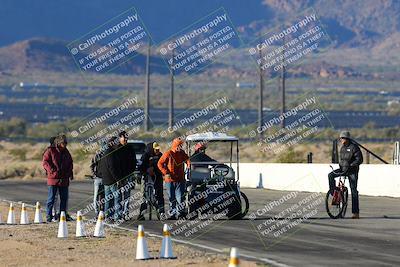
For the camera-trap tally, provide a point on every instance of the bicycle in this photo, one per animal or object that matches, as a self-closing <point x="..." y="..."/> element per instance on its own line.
<point x="336" y="204"/>
<point x="150" y="200"/>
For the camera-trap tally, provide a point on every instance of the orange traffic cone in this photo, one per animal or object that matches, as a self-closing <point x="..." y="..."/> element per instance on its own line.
<point x="142" y="251"/>
<point x="234" y="260"/>
<point x="11" y="215"/>
<point x="24" y="215"/>
<point x="38" y="214"/>
<point x="62" y="226"/>
<point x="99" y="230"/>
<point x="166" y="246"/>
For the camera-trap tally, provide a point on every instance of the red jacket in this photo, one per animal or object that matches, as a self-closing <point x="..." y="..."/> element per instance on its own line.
<point x="172" y="161"/>
<point x="58" y="165"/>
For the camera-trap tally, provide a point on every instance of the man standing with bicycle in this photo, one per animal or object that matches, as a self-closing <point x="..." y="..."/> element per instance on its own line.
<point x="350" y="161"/>
<point x="150" y="170"/>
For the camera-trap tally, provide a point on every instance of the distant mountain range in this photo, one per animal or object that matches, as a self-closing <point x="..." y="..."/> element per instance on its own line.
<point x="48" y="54"/>
<point x="349" y="22"/>
<point x="365" y="24"/>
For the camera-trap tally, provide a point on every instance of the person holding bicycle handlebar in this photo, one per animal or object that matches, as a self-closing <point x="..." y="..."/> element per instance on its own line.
<point x="349" y="164"/>
<point x="149" y="169"/>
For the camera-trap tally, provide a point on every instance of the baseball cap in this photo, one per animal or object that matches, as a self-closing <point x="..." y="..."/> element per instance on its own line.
<point x="156" y="145"/>
<point x="344" y="134"/>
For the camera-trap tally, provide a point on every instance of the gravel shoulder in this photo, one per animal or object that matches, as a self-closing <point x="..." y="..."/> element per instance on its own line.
<point x="38" y="245"/>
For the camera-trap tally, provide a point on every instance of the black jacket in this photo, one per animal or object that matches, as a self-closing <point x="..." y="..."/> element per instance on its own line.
<point x="350" y="158"/>
<point x="94" y="165"/>
<point x="108" y="167"/>
<point x="150" y="159"/>
<point x="201" y="157"/>
<point x="126" y="160"/>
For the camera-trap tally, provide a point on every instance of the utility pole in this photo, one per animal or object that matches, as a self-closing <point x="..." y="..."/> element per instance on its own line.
<point x="146" y="122"/>
<point x="260" y="103"/>
<point x="171" y="92"/>
<point x="283" y="77"/>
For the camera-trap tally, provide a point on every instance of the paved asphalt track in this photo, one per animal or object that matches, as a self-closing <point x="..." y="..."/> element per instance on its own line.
<point x="374" y="240"/>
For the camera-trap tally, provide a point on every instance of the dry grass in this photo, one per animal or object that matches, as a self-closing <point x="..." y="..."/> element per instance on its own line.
<point x="30" y="166"/>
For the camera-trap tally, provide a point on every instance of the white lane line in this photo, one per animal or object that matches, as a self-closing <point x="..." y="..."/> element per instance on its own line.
<point x="265" y="260"/>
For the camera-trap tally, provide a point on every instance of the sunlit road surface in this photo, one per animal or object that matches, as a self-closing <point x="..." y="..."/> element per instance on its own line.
<point x="373" y="240"/>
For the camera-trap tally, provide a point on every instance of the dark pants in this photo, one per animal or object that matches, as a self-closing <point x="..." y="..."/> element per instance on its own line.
<point x="353" y="178"/>
<point x="159" y="193"/>
<point x="51" y="196"/>
<point x="176" y="196"/>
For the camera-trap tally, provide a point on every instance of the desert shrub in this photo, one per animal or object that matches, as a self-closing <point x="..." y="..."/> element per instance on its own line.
<point x="291" y="156"/>
<point x="18" y="153"/>
<point x="80" y="155"/>
<point x="13" y="127"/>
<point x="13" y="171"/>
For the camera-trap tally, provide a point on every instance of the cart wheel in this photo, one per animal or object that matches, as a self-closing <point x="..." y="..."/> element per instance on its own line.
<point x="244" y="199"/>
<point x="241" y="209"/>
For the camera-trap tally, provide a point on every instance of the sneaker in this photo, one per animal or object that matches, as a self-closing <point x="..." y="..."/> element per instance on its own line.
<point x="49" y="220"/>
<point x="69" y="218"/>
<point x="356" y="216"/>
<point x="54" y="220"/>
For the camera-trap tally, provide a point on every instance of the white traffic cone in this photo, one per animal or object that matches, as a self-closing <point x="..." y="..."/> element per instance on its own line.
<point x="234" y="259"/>
<point x="166" y="246"/>
<point x="24" y="215"/>
<point x="62" y="226"/>
<point x="80" y="226"/>
<point x="38" y="214"/>
<point x="99" y="230"/>
<point x="142" y="251"/>
<point x="11" y="215"/>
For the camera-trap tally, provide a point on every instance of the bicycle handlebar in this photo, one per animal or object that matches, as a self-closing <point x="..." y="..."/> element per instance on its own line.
<point x="340" y="173"/>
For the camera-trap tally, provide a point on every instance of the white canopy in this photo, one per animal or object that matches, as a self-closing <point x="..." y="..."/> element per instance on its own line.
<point x="211" y="136"/>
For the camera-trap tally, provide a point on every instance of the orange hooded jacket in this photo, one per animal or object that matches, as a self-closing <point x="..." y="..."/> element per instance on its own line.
<point x="172" y="161"/>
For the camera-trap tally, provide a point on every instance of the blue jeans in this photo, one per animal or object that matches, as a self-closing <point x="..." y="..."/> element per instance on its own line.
<point x="51" y="196"/>
<point x="113" y="207"/>
<point x="126" y="194"/>
<point x="176" y="197"/>
<point x="98" y="194"/>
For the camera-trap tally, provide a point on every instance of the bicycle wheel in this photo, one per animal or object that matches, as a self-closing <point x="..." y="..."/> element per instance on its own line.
<point x="345" y="197"/>
<point x="334" y="210"/>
